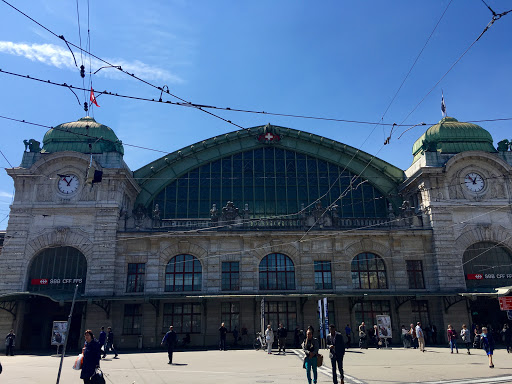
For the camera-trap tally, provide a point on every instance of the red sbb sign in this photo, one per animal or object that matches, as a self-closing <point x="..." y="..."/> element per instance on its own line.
<point x="482" y="276"/>
<point x="55" y="281"/>
<point x="506" y="303"/>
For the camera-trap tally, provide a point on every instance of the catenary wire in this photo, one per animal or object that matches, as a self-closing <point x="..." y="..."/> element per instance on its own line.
<point x="120" y="69"/>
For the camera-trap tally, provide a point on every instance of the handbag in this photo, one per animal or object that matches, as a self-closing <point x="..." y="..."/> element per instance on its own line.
<point x="319" y="360"/>
<point x="78" y="362"/>
<point x="98" y="378"/>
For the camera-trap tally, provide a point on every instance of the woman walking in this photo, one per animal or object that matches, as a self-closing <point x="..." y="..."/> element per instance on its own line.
<point x="488" y="345"/>
<point x="311" y="347"/>
<point x="451" y="335"/>
<point x="465" y="335"/>
<point x="92" y="354"/>
<point x="269" y="337"/>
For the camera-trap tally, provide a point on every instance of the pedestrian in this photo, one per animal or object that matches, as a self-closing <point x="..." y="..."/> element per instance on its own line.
<point x="478" y="337"/>
<point x="296" y="337"/>
<point x="433" y="332"/>
<point x="282" y="333"/>
<point x="336" y="352"/>
<point x="420" y="336"/>
<point x="269" y="337"/>
<point x="186" y="340"/>
<point x="311" y="347"/>
<point x="235" y="336"/>
<point x="488" y="345"/>
<point x="245" y="335"/>
<point x="405" y="339"/>
<point x="222" y="335"/>
<point x="451" y="335"/>
<point x="170" y="340"/>
<point x="362" y="336"/>
<point x="102" y="340"/>
<point x="465" y="335"/>
<point x="506" y="336"/>
<point x="348" y="333"/>
<point x="412" y="333"/>
<point x="92" y="355"/>
<point x="110" y="344"/>
<point x="375" y="336"/>
<point x="10" y="342"/>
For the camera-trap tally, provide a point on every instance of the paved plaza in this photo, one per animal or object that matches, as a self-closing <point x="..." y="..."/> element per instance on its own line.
<point x="395" y="365"/>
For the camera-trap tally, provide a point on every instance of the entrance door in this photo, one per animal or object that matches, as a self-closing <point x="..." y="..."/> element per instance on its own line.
<point x="486" y="312"/>
<point x="38" y="321"/>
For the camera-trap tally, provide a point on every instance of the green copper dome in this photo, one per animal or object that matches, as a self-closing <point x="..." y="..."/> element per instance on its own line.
<point x="77" y="135"/>
<point x="452" y="136"/>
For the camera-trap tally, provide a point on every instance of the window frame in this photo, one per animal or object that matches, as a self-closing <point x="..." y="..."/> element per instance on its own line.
<point x="174" y="314"/>
<point x="413" y="272"/>
<point x="134" y="318"/>
<point x="274" y="310"/>
<point x="172" y="274"/>
<point x="137" y="277"/>
<point x="365" y="274"/>
<point x="230" y="275"/>
<point x="323" y="273"/>
<point x="276" y="268"/>
<point x="230" y="314"/>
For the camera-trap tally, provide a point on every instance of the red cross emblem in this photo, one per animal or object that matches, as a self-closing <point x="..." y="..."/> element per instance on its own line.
<point x="269" y="137"/>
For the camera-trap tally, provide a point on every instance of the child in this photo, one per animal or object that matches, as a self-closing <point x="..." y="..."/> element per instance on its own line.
<point x="488" y="345"/>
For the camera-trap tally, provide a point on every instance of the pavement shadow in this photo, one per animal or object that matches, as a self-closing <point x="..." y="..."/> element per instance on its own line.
<point x="179" y="364"/>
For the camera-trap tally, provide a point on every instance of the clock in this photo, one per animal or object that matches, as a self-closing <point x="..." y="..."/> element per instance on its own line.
<point x="474" y="182"/>
<point x="68" y="184"/>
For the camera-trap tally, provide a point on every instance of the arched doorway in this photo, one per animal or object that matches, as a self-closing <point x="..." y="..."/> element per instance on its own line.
<point x="487" y="266"/>
<point x="52" y="277"/>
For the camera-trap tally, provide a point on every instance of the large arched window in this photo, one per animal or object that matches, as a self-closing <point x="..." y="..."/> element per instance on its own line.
<point x="487" y="265"/>
<point x="58" y="269"/>
<point x="183" y="273"/>
<point x="277" y="272"/>
<point x="368" y="272"/>
<point x="271" y="181"/>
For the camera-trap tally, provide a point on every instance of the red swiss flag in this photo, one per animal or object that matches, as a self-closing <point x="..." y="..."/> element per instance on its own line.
<point x="39" y="281"/>
<point x="475" y="276"/>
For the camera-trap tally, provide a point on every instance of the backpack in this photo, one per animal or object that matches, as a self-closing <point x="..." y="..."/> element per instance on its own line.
<point x="455" y="335"/>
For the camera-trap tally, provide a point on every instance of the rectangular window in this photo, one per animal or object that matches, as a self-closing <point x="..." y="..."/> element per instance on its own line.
<point x="132" y="319"/>
<point x="415" y="274"/>
<point x="230" y="276"/>
<point x="135" y="279"/>
<point x="419" y="309"/>
<point x="284" y="312"/>
<point x="367" y="311"/>
<point x="230" y="314"/>
<point x="184" y="317"/>
<point x="323" y="277"/>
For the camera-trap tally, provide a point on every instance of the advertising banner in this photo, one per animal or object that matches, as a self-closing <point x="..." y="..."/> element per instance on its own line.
<point x="384" y="326"/>
<point x="59" y="332"/>
<point x="263" y="327"/>
<point x="320" y="322"/>
<point x="326" y="317"/>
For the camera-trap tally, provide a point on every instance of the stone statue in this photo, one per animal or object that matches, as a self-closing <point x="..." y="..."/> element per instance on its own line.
<point x="32" y="145"/>
<point x="504" y="145"/>
<point x="214" y="214"/>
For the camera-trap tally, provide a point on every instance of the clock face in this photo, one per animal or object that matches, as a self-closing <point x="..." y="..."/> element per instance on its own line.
<point x="474" y="182"/>
<point x="68" y="184"/>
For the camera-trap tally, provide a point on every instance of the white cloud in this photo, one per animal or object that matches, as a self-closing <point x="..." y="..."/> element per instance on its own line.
<point x="60" y="57"/>
<point x="5" y="194"/>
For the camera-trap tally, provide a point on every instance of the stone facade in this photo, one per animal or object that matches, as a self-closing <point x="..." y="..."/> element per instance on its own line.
<point x="438" y="220"/>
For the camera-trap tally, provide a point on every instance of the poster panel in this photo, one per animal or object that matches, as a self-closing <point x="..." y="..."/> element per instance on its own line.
<point x="384" y="326"/>
<point x="59" y="332"/>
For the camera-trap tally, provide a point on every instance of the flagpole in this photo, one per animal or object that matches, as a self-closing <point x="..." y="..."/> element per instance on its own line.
<point x="67" y="335"/>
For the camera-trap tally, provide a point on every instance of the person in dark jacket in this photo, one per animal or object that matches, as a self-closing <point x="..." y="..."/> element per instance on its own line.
<point x="92" y="354"/>
<point x="102" y="340"/>
<point x="506" y="335"/>
<point x="311" y="347"/>
<point x="336" y="346"/>
<point x="110" y="344"/>
<point x="222" y="334"/>
<point x="282" y="333"/>
<point x="170" y="340"/>
<point x="9" y="343"/>
<point x="488" y="345"/>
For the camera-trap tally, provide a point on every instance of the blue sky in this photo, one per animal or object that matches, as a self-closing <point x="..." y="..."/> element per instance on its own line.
<point x="336" y="59"/>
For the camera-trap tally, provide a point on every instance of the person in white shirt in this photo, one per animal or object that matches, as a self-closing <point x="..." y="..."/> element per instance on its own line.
<point x="420" y="336"/>
<point x="269" y="336"/>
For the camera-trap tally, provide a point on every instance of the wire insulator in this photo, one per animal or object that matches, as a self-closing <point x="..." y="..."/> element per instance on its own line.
<point x="82" y="71"/>
<point x="86" y="106"/>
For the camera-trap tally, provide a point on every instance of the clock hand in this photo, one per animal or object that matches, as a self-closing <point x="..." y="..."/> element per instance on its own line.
<point x="70" y="180"/>
<point x="64" y="179"/>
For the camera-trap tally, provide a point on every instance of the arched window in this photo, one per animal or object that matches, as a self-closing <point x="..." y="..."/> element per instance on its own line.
<point x="368" y="272"/>
<point x="277" y="272"/>
<point x="58" y="269"/>
<point x="183" y="273"/>
<point x="487" y="265"/>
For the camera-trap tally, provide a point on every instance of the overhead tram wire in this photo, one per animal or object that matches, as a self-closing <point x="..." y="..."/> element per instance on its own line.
<point x="495" y="18"/>
<point x="348" y="189"/>
<point x="82" y="67"/>
<point x="122" y="70"/>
